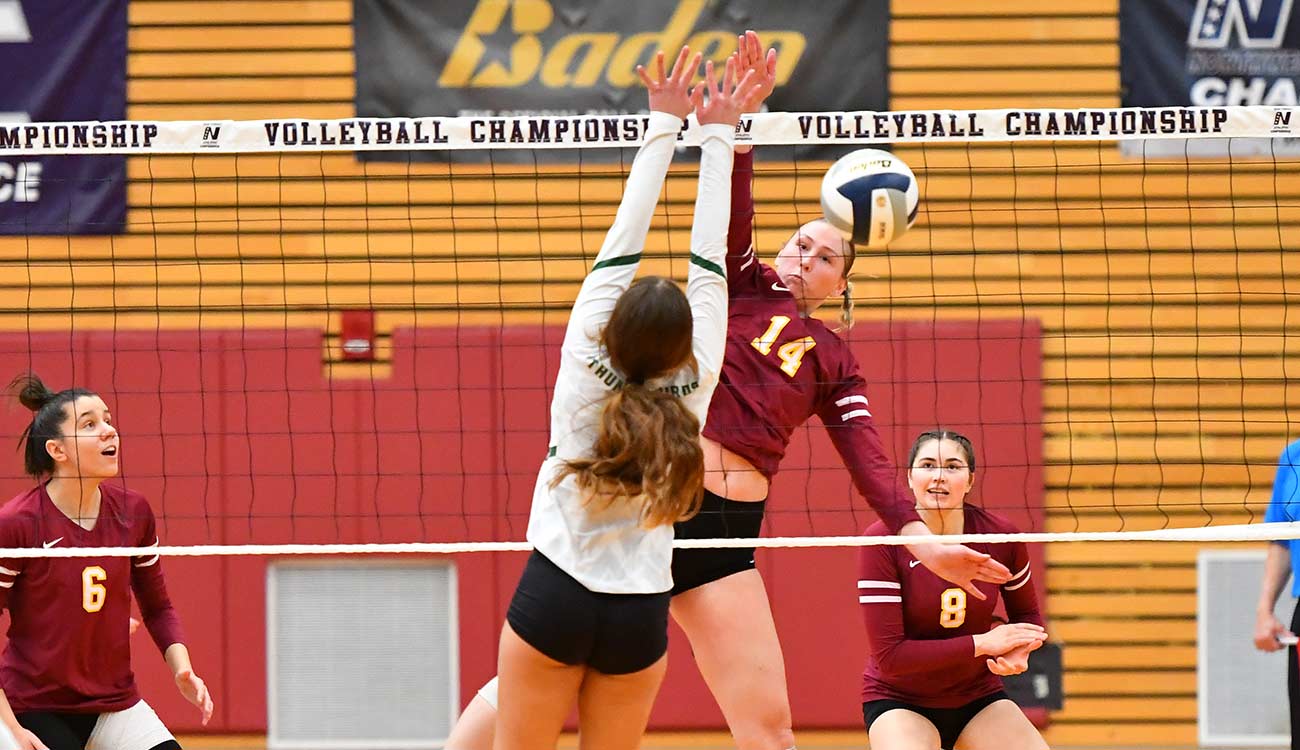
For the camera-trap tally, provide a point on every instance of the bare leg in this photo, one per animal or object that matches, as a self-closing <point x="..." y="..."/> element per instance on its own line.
<point x="477" y="724"/>
<point x="613" y="709"/>
<point x="900" y="729"/>
<point x="729" y="623"/>
<point x="536" y="694"/>
<point x="1001" y="726"/>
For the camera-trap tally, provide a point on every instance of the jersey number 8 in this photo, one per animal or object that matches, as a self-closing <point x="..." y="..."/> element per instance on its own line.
<point x="791" y="353"/>
<point x="952" y="608"/>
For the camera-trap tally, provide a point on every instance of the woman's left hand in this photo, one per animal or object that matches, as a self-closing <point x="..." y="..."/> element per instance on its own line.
<point x="195" y="691"/>
<point x="1015" y="661"/>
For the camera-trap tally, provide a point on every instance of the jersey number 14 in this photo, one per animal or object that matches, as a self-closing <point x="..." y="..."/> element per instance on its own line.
<point x="791" y="353"/>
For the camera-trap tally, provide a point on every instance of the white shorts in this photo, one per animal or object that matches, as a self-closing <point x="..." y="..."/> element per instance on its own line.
<point x="135" y="728"/>
<point x="489" y="692"/>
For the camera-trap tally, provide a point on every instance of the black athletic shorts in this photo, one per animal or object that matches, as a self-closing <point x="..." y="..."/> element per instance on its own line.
<point x="61" y="730"/>
<point x="611" y="633"/>
<point x="949" y="721"/>
<point x="719" y="518"/>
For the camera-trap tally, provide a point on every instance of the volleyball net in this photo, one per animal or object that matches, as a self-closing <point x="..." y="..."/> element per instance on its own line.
<point x="346" y="331"/>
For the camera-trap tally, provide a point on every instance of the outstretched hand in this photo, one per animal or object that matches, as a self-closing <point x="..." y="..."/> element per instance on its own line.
<point x="726" y="99"/>
<point x="671" y="93"/>
<point x="750" y="57"/>
<point x="961" y="565"/>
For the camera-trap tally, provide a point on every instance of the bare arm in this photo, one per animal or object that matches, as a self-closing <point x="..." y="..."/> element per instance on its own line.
<point x="1277" y="570"/>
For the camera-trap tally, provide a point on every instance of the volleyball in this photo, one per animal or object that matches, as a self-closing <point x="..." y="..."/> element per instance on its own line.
<point x="870" y="196"/>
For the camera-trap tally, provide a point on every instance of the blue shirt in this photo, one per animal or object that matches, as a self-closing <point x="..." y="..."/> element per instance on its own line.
<point x="1285" y="505"/>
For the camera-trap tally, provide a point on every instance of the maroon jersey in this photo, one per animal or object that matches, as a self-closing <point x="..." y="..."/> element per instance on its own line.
<point x="921" y="627"/>
<point x="69" y="646"/>
<point x="781" y="368"/>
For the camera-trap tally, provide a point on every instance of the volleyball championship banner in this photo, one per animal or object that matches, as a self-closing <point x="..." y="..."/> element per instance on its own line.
<point x="1211" y="53"/>
<point x="62" y="60"/>
<point x="553" y="133"/>
<point x="511" y="58"/>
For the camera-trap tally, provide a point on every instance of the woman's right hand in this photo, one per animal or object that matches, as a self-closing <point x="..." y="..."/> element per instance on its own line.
<point x="726" y="100"/>
<point x="749" y="55"/>
<point x="25" y="739"/>
<point x="671" y="93"/>
<point x="1005" y="638"/>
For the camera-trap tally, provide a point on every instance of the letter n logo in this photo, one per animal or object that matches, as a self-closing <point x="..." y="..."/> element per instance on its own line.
<point x="1259" y="24"/>
<point x="1281" y="118"/>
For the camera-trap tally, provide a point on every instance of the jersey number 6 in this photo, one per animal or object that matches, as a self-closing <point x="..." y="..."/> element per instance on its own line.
<point x="791" y="353"/>
<point x="93" y="592"/>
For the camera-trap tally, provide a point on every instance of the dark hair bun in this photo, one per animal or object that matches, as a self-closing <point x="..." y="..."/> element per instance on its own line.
<point x="32" y="393"/>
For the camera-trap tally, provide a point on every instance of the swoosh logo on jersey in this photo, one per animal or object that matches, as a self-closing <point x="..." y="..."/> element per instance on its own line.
<point x="776" y="285"/>
<point x="47" y="545"/>
<point x="914" y="563"/>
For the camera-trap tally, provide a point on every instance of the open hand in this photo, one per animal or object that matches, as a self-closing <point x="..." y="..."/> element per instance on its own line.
<point x="195" y="691"/>
<point x="961" y="565"/>
<point x="671" y="93"/>
<point x="726" y="100"/>
<point x="750" y="57"/>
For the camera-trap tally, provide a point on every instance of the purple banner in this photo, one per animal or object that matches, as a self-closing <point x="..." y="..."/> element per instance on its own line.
<point x="62" y="60"/>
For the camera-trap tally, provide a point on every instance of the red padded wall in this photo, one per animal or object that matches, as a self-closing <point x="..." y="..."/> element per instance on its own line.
<point x="236" y="437"/>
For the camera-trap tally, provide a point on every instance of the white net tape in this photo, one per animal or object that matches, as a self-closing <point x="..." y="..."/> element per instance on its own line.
<point x="601" y="131"/>
<point x="1258" y="532"/>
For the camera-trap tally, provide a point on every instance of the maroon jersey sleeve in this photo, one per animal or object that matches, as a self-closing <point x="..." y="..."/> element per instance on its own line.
<point x="742" y="263"/>
<point x="845" y="411"/>
<point x="151" y="589"/>
<point x="1018" y="594"/>
<point x="11" y="537"/>
<point x="880" y="595"/>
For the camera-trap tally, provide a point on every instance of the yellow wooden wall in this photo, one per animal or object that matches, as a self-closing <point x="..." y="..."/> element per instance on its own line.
<point x="1160" y="290"/>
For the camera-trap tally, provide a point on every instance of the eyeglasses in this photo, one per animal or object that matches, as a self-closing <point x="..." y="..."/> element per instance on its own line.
<point x="951" y="469"/>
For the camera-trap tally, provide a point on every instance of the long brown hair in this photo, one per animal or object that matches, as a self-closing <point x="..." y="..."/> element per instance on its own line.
<point x="648" y="448"/>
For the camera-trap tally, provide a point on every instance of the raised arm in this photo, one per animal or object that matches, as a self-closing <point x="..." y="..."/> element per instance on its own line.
<point x="620" y="254"/>
<point x="742" y="264"/>
<point x="706" y="285"/>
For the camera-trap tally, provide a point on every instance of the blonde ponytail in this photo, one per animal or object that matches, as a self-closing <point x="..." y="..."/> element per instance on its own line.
<point x="846" y="307"/>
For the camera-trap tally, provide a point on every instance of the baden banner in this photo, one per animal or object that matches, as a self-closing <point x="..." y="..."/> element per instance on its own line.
<point x="62" y="60"/>
<point x="512" y="58"/>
